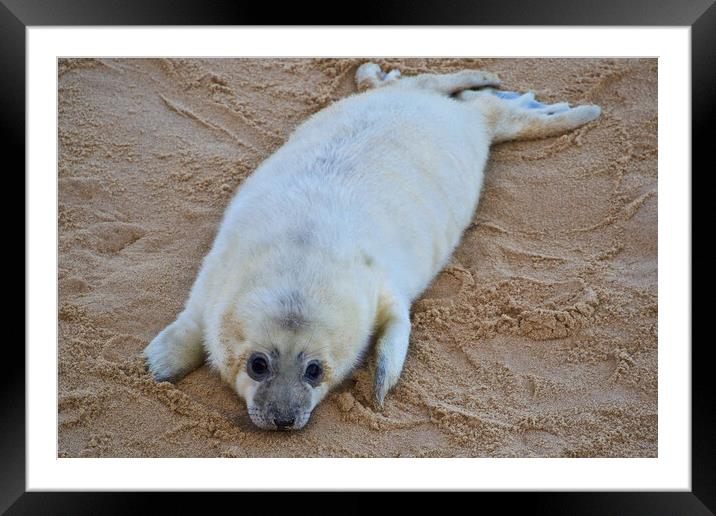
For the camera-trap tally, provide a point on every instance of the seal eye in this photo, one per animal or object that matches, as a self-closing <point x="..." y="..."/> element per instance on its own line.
<point x="313" y="373"/>
<point x="258" y="366"/>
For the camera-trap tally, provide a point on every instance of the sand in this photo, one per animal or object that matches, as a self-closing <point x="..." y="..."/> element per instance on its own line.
<point x="538" y="339"/>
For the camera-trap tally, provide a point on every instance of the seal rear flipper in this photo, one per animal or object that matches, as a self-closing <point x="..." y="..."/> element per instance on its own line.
<point x="370" y="75"/>
<point x="518" y="116"/>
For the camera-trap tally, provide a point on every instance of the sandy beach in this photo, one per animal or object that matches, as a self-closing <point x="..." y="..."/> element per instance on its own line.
<point x="539" y="339"/>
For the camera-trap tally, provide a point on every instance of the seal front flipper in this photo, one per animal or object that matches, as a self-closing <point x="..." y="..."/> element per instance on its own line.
<point x="176" y="351"/>
<point x="393" y="323"/>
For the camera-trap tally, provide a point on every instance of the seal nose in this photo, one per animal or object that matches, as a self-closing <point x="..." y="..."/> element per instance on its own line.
<point x="282" y="423"/>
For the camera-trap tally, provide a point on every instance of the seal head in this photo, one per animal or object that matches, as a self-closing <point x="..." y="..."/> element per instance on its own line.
<point x="283" y="398"/>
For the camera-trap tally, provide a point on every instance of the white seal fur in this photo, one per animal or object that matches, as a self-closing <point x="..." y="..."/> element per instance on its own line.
<point x="324" y="247"/>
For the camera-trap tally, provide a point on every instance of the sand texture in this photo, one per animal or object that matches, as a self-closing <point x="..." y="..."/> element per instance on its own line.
<point x="538" y="339"/>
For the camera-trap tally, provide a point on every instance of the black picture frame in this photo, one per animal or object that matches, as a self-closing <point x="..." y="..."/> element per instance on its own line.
<point x="700" y="15"/>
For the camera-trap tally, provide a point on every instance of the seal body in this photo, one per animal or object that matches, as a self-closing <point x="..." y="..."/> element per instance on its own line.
<point x="324" y="247"/>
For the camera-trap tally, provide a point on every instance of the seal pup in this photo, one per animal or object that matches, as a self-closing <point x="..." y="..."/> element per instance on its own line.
<point x="325" y="246"/>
